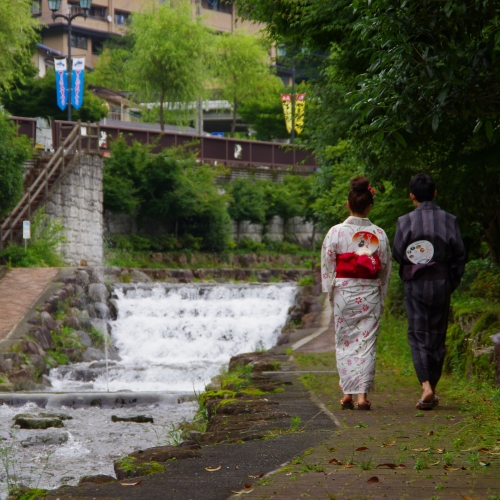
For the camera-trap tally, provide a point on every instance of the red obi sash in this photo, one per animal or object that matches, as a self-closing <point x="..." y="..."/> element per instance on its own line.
<point x="352" y="265"/>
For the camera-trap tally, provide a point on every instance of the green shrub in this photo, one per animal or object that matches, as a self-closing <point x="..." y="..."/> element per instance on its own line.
<point x="42" y="249"/>
<point x="97" y="337"/>
<point x="306" y="280"/>
<point x="251" y="245"/>
<point x="486" y="285"/>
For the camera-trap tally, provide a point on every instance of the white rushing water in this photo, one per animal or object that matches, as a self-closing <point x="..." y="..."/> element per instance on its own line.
<point x="176" y="337"/>
<point x="171" y="339"/>
<point x="87" y="445"/>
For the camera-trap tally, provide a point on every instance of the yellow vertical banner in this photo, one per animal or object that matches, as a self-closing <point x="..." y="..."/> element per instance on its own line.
<point x="300" y="108"/>
<point x="286" y="102"/>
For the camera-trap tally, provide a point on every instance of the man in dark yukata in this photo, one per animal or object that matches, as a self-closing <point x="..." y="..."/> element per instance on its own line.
<point x="431" y="255"/>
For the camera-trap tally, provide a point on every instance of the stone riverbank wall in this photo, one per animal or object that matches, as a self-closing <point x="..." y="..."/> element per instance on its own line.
<point x="78" y="202"/>
<point x="298" y="230"/>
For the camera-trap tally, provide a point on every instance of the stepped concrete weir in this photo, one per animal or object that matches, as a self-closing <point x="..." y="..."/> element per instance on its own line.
<point x="169" y="340"/>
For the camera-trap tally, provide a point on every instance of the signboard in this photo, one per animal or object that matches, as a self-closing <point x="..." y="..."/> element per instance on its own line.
<point x="61" y="83"/>
<point x="26" y="229"/>
<point x="217" y="134"/>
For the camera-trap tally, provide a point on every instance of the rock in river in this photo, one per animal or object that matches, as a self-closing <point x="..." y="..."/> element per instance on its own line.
<point x="141" y="419"/>
<point x="48" y="437"/>
<point x="36" y="422"/>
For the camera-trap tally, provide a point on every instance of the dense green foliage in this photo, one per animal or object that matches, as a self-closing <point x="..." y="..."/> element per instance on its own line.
<point x="413" y="87"/>
<point x="168" y="57"/>
<point x="170" y="187"/>
<point x="241" y="71"/>
<point x="33" y="96"/>
<point x="18" y="35"/>
<point x="13" y="152"/>
<point x="190" y="207"/>
<point x="42" y="250"/>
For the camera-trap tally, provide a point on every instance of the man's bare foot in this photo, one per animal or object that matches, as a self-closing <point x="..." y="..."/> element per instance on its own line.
<point x="427" y="394"/>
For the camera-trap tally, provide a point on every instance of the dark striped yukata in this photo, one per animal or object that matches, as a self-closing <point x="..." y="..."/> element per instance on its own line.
<point x="428" y="287"/>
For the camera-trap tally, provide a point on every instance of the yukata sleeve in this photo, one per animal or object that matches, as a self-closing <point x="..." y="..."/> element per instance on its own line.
<point x="400" y="245"/>
<point x="457" y="264"/>
<point x="401" y="242"/>
<point x="328" y="262"/>
<point x="385" y="272"/>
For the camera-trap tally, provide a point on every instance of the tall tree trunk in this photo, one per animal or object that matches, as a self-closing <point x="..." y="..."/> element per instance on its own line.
<point x="233" y="123"/>
<point x="162" y="120"/>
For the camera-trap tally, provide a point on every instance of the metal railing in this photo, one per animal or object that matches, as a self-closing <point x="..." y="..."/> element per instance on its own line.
<point x="79" y="137"/>
<point x="215" y="150"/>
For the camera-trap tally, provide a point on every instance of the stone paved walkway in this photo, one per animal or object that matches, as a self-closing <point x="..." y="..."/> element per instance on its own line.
<point x="391" y="452"/>
<point x="19" y="289"/>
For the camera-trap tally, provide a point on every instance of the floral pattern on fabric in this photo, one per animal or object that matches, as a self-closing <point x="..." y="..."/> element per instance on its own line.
<point x="357" y="305"/>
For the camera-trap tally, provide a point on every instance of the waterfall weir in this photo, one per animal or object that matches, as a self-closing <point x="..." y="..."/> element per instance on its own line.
<point x="171" y="339"/>
<point x="174" y="338"/>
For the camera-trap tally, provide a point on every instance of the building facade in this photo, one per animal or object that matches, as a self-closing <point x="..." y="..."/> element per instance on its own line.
<point x="110" y="17"/>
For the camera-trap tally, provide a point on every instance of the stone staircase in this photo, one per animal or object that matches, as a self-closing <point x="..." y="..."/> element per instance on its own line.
<point x="44" y="174"/>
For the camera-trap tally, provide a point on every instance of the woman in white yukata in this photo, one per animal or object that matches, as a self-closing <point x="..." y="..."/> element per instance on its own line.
<point x="356" y="266"/>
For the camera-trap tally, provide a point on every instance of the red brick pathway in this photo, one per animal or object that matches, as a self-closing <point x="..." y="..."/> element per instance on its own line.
<point x="19" y="289"/>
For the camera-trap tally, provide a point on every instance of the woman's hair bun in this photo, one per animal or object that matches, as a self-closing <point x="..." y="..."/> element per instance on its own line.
<point x="360" y="185"/>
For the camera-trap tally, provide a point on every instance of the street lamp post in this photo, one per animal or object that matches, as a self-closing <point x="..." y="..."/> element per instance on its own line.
<point x="54" y="6"/>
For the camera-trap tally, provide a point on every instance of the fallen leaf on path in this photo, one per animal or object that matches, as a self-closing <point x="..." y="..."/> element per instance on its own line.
<point x="483" y="450"/>
<point x="386" y="445"/>
<point x="237" y="467"/>
<point x="348" y="466"/>
<point x="288" y="474"/>
<point x="421" y="449"/>
<point x="124" y="483"/>
<point x="484" y="464"/>
<point x="447" y="467"/>
<point x="435" y="463"/>
<point x="477" y="417"/>
<point x="373" y="479"/>
<point x="467" y="497"/>
<point x="213" y="469"/>
<point x="334" y="461"/>
<point x="257" y="476"/>
<point x="392" y="466"/>
<point x="248" y="485"/>
<point x="362" y="448"/>
<point x="440" y="450"/>
<point x="431" y="433"/>
<point x="241" y="492"/>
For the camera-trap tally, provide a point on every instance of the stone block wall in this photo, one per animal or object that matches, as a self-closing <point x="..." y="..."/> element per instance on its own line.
<point x="78" y="202"/>
<point x="300" y="231"/>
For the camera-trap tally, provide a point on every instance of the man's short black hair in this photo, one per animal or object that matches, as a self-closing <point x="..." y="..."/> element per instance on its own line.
<point x="422" y="187"/>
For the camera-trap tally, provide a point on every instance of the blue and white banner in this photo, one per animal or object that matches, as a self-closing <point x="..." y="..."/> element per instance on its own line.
<point x="77" y="84"/>
<point x="61" y="83"/>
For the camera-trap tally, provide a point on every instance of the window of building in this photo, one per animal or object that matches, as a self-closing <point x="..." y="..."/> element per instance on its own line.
<point x="121" y="17"/>
<point x="79" y="41"/>
<point x="36" y="7"/>
<point x="98" y="12"/>
<point x="219" y="5"/>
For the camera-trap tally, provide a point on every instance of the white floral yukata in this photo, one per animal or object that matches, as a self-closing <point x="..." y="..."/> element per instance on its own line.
<point x="357" y="304"/>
